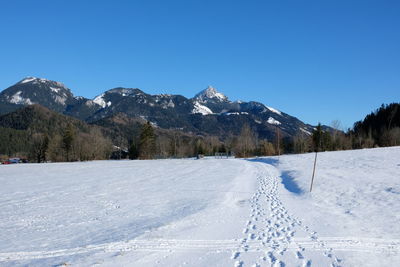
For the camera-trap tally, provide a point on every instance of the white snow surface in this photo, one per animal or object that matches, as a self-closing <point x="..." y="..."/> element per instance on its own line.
<point x="18" y="99"/>
<point x="60" y="99"/>
<point x="166" y="103"/>
<point x="235" y="113"/>
<point x="171" y="104"/>
<point x="28" y="79"/>
<point x="275" y="110"/>
<point x="305" y="131"/>
<point x="210" y="93"/>
<point x="199" y="108"/>
<point x="209" y="212"/>
<point x="54" y="89"/>
<point x="36" y="80"/>
<point x="99" y="100"/>
<point x="273" y="121"/>
<point x="89" y="103"/>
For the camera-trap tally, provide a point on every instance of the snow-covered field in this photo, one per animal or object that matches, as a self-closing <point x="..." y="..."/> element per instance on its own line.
<point x="208" y="212"/>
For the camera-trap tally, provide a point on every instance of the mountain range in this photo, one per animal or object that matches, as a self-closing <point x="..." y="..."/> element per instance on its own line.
<point x="207" y="113"/>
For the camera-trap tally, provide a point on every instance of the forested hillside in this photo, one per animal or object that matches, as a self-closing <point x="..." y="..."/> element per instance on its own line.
<point x="381" y="127"/>
<point x="40" y="134"/>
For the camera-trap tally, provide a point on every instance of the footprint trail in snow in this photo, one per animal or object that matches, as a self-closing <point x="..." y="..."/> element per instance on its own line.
<point x="270" y="231"/>
<point x="271" y="237"/>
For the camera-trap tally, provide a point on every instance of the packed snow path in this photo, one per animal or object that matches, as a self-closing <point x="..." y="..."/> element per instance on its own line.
<point x="275" y="229"/>
<point x="202" y="213"/>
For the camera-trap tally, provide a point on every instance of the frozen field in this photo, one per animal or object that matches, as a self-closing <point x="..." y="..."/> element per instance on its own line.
<point x="209" y="212"/>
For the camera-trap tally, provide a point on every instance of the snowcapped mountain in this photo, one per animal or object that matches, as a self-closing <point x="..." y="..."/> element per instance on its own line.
<point x="33" y="90"/>
<point x="208" y="113"/>
<point x="51" y="94"/>
<point x="210" y="94"/>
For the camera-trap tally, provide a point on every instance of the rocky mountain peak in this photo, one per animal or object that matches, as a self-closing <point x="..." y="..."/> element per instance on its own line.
<point x="42" y="81"/>
<point x="210" y="93"/>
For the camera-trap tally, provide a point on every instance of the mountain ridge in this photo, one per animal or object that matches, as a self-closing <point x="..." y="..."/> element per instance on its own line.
<point x="208" y="112"/>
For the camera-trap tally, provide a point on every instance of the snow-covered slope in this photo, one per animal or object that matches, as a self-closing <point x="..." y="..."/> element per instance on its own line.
<point x="210" y="93"/>
<point x="210" y="212"/>
<point x="199" y="108"/>
<point x="31" y="90"/>
<point x="51" y="94"/>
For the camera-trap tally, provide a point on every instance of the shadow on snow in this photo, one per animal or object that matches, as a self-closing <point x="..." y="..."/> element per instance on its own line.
<point x="286" y="176"/>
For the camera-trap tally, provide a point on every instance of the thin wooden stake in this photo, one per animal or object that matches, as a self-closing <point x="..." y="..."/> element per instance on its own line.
<point x="313" y="173"/>
<point x="278" y="146"/>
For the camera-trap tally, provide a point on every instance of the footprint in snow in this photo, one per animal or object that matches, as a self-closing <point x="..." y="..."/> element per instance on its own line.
<point x="235" y="255"/>
<point x="299" y="255"/>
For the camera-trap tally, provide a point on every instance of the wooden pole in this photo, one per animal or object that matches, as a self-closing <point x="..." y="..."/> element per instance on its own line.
<point x="313" y="173"/>
<point x="277" y="141"/>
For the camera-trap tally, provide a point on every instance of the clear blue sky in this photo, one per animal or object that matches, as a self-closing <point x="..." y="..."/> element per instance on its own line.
<point x="316" y="60"/>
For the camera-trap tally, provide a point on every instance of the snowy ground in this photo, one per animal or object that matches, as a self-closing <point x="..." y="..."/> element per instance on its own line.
<point x="209" y="212"/>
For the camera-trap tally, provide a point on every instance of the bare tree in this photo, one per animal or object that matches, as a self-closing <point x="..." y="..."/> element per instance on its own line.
<point x="40" y="144"/>
<point x="302" y="143"/>
<point x="163" y="145"/>
<point x="247" y="141"/>
<point x="336" y="125"/>
<point x="212" y="144"/>
<point x="55" y="151"/>
<point x="395" y="136"/>
<point x="266" y="148"/>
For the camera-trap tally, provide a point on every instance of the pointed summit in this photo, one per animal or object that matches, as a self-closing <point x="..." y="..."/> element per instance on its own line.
<point x="210" y="93"/>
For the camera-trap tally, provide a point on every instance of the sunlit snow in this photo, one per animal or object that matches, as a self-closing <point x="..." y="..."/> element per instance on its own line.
<point x="274" y="110"/>
<point x="18" y="99"/>
<point x="99" y="100"/>
<point x="210" y="93"/>
<point x="27" y="79"/>
<point x="198" y="108"/>
<point x="305" y="131"/>
<point x="208" y="212"/>
<point x="273" y="121"/>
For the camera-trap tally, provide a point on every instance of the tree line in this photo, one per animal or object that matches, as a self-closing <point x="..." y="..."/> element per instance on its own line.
<point x="379" y="129"/>
<point x="69" y="145"/>
<point x="69" y="140"/>
<point x="173" y="144"/>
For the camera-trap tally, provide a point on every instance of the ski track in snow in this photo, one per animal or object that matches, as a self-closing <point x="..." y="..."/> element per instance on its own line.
<point x="271" y="236"/>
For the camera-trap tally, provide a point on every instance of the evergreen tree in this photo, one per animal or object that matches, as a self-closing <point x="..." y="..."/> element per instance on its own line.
<point x="44" y="145"/>
<point x="222" y="148"/>
<point x="133" y="152"/>
<point x="322" y="140"/>
<point x="67" y="139"/>
<point x="317" y="138"/>
<point x="377" y="127"/>
<point x="147" y="143"/>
